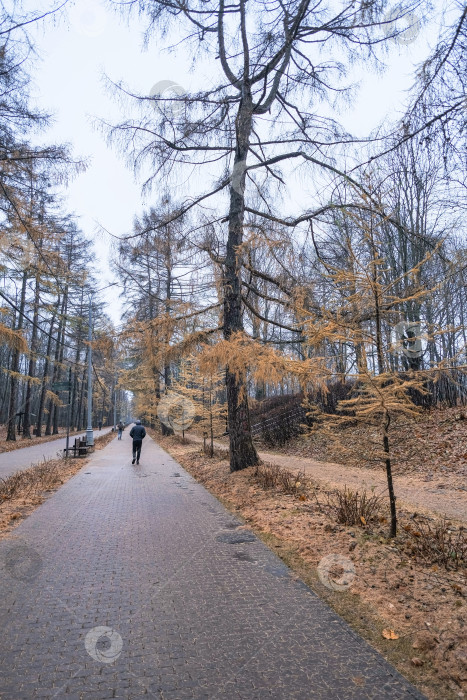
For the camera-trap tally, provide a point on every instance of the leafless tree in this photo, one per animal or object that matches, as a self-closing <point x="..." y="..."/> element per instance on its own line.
<point x="276" y="64"/>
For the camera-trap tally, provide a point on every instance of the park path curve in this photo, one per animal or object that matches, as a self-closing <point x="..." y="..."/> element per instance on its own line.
<point x="134" y="581"/>
<point x="24" y="457"/>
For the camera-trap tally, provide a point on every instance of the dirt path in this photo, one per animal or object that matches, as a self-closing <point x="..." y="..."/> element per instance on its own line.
<point x="414" y="493"/>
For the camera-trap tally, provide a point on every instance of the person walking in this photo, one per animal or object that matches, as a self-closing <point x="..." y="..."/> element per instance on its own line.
<point x="120" y="428"/>
<point x="138" y="433"/>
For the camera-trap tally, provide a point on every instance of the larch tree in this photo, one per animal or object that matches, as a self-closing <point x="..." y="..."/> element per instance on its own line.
<point x="205" y="391"/>
<point x="155" y="265"/>
<point x="361" y="302"/>
<point x="274" y="63"/>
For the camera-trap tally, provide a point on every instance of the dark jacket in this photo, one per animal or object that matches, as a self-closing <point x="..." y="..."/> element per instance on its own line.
<point x="138" y="432"/>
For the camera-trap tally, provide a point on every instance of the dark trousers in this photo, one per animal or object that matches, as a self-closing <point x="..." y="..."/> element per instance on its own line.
<point x="137" y="449"/>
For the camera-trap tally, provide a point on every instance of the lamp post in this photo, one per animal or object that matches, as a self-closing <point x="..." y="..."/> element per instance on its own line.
<point x="89" y="432"/>
<point x="115" y="404"/>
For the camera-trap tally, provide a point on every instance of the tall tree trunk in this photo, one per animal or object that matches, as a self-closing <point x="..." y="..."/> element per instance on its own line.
<point x="377" y="299"/>
<point x="13" y="407"/>
<point x="56" y="409"/>
<point x="32" y="362"/>
<point x="40" y="411"/>
<point x="79" y="414"/>
<point x="242" y="451"/>
<point x="166" y="429"/>
<point x="392" y="498"/>
<point x="5" y="361"/>
<point x="48" y="429"/>
<point x="75" y="387"/>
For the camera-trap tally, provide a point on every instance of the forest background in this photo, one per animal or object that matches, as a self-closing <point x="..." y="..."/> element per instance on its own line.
<point x="280" y="253"/>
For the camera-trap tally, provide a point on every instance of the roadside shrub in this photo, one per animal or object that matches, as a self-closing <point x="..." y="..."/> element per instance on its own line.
<point x="14" y="484"/>
<point x="267" y="475"/>
<point x="354" y="508"/>
<point x="273" y="476"/>
<point x="39" y="477"/>
<point x="437" y="542"/>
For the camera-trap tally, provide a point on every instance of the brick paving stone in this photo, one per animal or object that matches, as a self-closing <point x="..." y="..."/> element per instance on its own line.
<point x="193" y="613"/>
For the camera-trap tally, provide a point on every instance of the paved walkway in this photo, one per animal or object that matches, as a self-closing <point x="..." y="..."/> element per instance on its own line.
<point x="133" y="581"/>
<point x="22" y="458"/>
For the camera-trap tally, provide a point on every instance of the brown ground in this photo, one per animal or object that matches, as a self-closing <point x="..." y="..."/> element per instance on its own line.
<point x="423" y="604"/>
<point x="14" y="510"/>
<point x="429" y="461"/>
<point x="432" y="446"/>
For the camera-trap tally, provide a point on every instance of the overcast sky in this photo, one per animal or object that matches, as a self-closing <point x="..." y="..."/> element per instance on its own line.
<point x="90" y="41"/>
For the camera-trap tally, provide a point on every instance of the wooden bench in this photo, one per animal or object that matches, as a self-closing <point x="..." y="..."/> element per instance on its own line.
<point x="79" y="449"/>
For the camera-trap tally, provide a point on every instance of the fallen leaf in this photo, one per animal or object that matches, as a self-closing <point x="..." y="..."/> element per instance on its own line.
<point x="363" y="520"/>
<point x="390" y="634"/>
<point x="416" y="661"/>
<point x="359" y="681"/>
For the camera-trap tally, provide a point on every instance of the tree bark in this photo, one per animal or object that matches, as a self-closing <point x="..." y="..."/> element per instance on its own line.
<point x="32" y="362"/>
<point x="45" y="373"/>
<point x="13" y="407"/>
<point x="392" y="498"/>
<point x="242" y="451"/>
<point x="166" y="429"/>
<point x="61" y="341"/>
<point x="48" y="429"/>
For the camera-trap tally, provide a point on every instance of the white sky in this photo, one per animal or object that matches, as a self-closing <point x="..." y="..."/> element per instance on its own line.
<point x="91" y="41"/>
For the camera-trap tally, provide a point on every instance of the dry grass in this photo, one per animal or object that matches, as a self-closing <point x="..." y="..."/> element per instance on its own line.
<point x="437" y="542"/>
<point x="100" y="441"/>
<point x="273" y="476"/>
<point x="354" y="508"/>
<point x="29" y="482"/>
